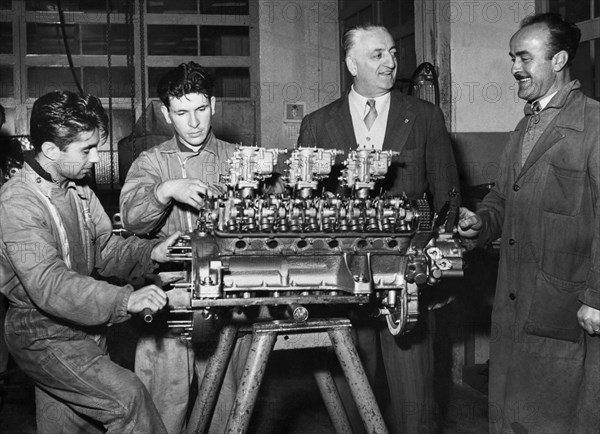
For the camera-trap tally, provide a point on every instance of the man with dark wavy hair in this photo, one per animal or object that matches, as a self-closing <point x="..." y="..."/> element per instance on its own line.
<point x="54" y="234"/>
<point x="544" y="369"/>
<point x="165" y="187"/>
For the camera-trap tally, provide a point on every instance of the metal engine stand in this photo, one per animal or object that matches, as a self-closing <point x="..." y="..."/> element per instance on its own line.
<point x="275" y="335"/>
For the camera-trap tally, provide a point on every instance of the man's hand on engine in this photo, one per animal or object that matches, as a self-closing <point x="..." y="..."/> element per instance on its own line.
<point x="469" y="223"/>
<point x="190" y="191"/>
<point x="161" y="250"/>
<point x="149" y="297"/>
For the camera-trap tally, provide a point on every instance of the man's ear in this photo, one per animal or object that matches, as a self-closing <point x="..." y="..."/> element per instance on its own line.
<point x="560" y="60"/>
<point x="165" y="112"/>
<point x="212" y="105"/>
<point x="351" y="65"/>
<point x="50" y="150"/>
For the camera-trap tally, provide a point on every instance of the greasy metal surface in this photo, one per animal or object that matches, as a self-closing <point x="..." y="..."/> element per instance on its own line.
<point x="263" y="342"/>
<point x="210" y="384"/>
<point x="305" y="246"/>
<point x="333" y="402"/>
<point x="357" y="380"/>
<point x="260" y="350"/>
<point x="269" y="301"/>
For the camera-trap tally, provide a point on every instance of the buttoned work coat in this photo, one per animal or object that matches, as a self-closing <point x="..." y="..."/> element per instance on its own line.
<point x="415" y="128"/>
<point x="544" y="369"/>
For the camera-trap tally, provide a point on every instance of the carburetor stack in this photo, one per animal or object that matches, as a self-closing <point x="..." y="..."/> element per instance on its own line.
<point x="301" y="247"/>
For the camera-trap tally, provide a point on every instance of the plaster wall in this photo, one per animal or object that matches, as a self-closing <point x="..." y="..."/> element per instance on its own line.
<point x="483" y="91"/>
<point x="299" y="63"/>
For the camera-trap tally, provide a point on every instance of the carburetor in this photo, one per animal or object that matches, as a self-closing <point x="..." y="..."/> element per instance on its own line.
<point x="301" y="247"/>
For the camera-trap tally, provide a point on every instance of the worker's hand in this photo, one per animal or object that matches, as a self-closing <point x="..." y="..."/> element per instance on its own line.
<point x="190" y="191"/>
<point x="161" y="250"/>
<point x="149" y="297"/>
<point x="469" y="223"/>
<point x="589" y="319"/>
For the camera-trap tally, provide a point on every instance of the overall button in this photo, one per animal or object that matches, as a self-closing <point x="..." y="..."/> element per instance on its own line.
<point x="512" y="296"/>
<point x="516" y="187"/>
<point x="511" y="242"/>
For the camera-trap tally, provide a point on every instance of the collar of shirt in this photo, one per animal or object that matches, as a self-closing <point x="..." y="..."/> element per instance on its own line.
<point x="358" y="109"/>
<point x="543" y="102"/>
<point x="174" y="145"/>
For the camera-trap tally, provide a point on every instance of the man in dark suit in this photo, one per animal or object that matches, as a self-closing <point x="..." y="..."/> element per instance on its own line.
<point x="371" y="114"/>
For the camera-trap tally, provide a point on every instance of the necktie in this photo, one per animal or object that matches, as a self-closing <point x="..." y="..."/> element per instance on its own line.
<point x="532" y="109"/>
<point x="371" y="115"/>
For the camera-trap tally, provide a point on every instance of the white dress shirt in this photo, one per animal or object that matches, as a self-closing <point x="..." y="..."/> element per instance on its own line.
<point x="373" y="138"/>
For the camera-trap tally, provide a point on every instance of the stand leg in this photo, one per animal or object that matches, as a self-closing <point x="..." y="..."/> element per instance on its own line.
<point x="332" y="401"/>
<point x="260" y="350"/>
<point x="357" y="380"/>
<point x="210" y="384"/>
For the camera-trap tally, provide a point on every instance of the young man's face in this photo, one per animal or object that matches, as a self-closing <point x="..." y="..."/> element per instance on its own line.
<point x="77" y="159"/>
<point x="373" y="64"/>
<point x="534" y="71"/>
<point x="190" y="115"/>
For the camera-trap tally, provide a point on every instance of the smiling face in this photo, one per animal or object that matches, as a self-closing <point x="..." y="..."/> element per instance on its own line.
<point x="372" y="62"/>
<point x="77" y="159"/>
<point x="536" y="72"/>
<point x="190" y="115"/>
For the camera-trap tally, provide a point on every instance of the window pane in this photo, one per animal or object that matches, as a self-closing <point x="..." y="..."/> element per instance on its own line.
<point x="224" y="7"/>
<point x="173" y="7"/>
<point x="407" y="12"/>
<point x="363" y="16"/>
<point x="390" y="13"/>
<point x="6" y="38"/>
<point x="231" y="82"/>
<point x="228" y="82"/>
<point x="154" y="76"/>
<point x="93" y="38"/>
<point x="41" y="80"/>
<point x="74" y="5"/>
<point x="5" y="5"/>
<point x="95" y="81"/>
<point x="172" y="40"/>
<point x="121" y="126"/>
<point x="47" y="39"/>
<point x="224" y="41"/>
<point x="7" y="89"/>
<point x="573" y="11"/>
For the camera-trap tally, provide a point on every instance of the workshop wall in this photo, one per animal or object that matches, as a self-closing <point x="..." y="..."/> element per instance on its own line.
<point x="299" y="65"/>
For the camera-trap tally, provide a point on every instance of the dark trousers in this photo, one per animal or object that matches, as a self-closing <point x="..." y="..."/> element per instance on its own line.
<point x="409" y="371"/>
<point x="79" y="389"/>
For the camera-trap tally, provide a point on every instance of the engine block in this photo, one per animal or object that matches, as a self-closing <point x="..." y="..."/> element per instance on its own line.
<point x="300" y="247"/>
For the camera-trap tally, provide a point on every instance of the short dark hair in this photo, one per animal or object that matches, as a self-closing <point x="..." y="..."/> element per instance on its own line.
<point x="564" y="35"/>
<point x="351" y="35"/>
<point x="59" y="117"/>
<point x="184" y="79"/>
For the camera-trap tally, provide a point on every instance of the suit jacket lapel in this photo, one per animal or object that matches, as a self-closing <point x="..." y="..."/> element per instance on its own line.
<point x="399" y="124"/>
<point x="339" y="126"/>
